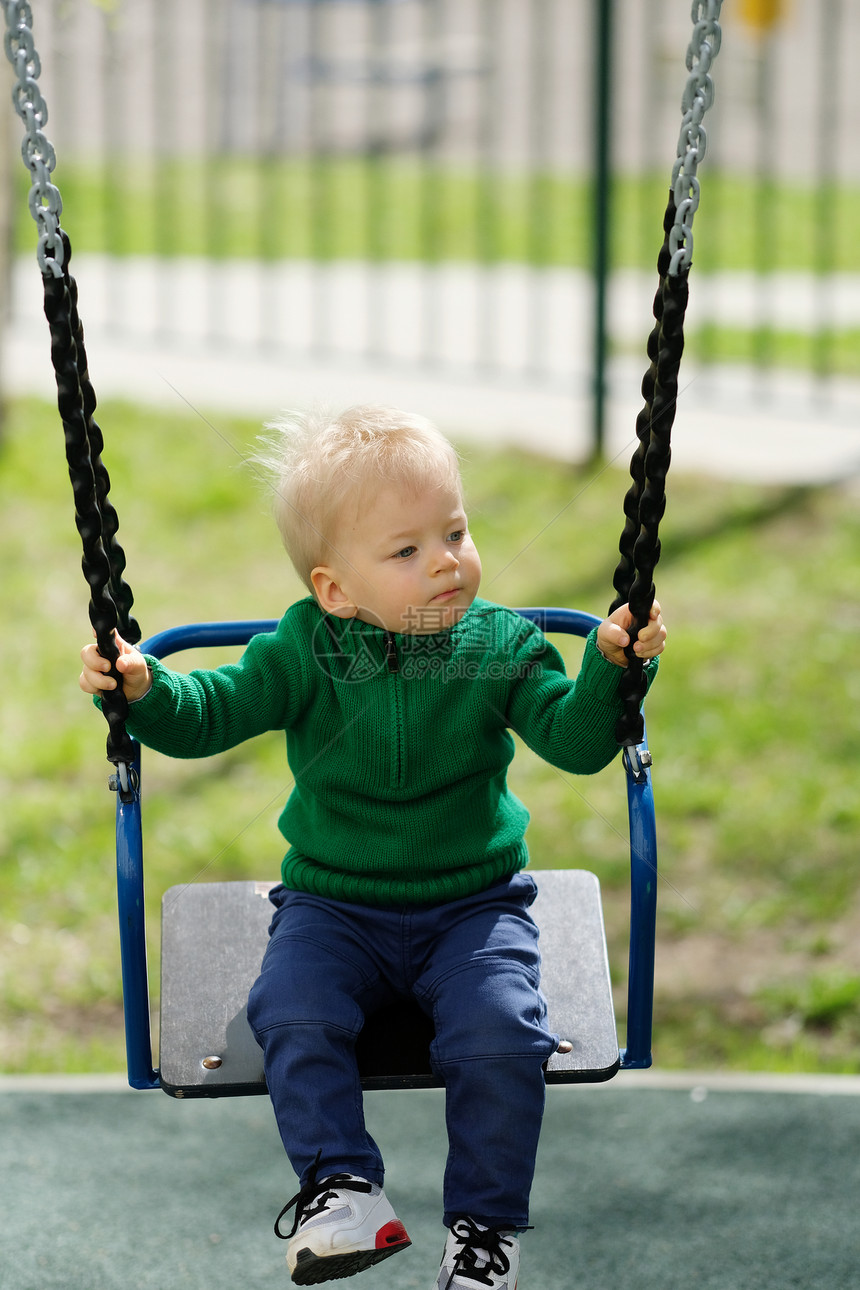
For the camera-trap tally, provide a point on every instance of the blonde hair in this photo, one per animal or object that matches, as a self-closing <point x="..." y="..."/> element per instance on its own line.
<point x="316" y="462"/>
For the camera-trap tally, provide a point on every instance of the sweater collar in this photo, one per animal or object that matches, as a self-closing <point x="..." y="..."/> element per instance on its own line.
<point x="354" y="633"/>
<point x="353" y="639"/>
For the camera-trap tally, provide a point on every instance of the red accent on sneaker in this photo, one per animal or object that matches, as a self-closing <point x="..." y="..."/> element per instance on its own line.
<point x="391" y="1234"/>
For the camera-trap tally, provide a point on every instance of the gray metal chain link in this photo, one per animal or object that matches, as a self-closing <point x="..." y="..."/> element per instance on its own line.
<point x="36" y="150"/>
<point x="692" y="142"/>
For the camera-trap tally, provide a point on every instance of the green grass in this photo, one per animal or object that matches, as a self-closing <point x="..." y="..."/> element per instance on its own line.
<point x="752" y="724"/>
<point x="389" y="208"/>
<point x="322" y="208"/>
<point x="829" y="353"/>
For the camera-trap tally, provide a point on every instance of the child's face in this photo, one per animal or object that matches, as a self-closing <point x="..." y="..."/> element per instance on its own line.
<point x="405" y="562"/>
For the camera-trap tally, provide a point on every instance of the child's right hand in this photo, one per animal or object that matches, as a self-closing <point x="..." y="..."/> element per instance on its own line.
<point x="131" y="664"/>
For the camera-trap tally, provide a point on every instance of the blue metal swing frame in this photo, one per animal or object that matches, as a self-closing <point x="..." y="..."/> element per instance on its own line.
<point x="130" y="876"/>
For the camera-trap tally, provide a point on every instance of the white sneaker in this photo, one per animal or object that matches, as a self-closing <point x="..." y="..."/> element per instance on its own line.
<point x="343" y="1224"/>
<point x="478" y="1258"/>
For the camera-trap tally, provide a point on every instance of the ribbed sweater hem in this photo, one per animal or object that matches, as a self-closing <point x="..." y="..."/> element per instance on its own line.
<point x="383" y="891"/>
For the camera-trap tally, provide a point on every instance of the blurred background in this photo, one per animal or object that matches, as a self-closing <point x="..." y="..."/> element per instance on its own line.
<point x="457" y="193"/>
<point x="456" y="205"/>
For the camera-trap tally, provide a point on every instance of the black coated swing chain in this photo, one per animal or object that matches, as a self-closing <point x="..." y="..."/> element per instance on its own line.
<point x="103" y="560"/>
<point x="120" y="591"/>
<point x="626" y="569"/>
<point x="645" y="502"/>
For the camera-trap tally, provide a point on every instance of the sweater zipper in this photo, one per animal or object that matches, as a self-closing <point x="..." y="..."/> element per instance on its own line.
<point x="392" y="663"/>
<point x="391" y="660"/>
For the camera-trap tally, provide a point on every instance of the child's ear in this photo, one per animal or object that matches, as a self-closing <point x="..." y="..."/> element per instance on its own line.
<point x="332" y="599"/>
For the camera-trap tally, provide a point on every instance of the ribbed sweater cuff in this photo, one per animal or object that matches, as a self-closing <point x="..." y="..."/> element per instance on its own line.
<point x="151" y="708"/>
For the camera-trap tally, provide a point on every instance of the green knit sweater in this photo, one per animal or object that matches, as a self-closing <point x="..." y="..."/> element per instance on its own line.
<point x="399" y="744"/>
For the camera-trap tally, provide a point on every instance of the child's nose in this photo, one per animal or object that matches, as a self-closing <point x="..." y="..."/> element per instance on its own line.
<point x="446" y="559"/>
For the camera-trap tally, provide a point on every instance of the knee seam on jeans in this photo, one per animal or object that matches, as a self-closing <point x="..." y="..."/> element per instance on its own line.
<point x="320" y="1022"/>
<point x="531" y="972"/>
<point x="538" y="1056"/>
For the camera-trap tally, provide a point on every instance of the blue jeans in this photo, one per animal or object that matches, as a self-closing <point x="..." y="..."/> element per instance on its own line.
<point x="473" y="965"/>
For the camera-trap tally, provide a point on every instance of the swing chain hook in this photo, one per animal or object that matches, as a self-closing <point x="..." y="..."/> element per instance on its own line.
<point x="125" y="782"/>
<point x="36" y="150"/>
<point x="637" y="761"/>
<point x="698" y="96"/>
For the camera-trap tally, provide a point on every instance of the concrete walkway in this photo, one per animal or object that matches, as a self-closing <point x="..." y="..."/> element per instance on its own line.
<point x="189" y="338"/>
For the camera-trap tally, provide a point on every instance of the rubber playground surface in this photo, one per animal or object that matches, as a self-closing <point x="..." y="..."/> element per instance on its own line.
<point x="733" y="1184"/>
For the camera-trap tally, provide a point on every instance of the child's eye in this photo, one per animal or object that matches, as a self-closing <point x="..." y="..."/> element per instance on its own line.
<point x="405" y="552"/>
<point x="457" y="536"/>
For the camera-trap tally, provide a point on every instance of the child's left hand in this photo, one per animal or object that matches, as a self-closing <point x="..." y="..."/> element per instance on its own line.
<point x="613" y="635"/>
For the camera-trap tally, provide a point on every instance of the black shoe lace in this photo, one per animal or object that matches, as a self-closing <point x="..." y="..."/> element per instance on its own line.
<point x="489" y="1241"/>
<point x="313" y="1197"/>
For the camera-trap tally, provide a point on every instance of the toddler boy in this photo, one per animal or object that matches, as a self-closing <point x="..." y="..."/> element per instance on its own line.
<point x="397" y="688"/>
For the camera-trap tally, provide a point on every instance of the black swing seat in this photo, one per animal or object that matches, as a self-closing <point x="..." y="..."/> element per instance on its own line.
<point x="214" y="936"/>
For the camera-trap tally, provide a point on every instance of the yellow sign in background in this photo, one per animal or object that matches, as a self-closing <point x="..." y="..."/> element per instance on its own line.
<point x="762" y="14"/>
